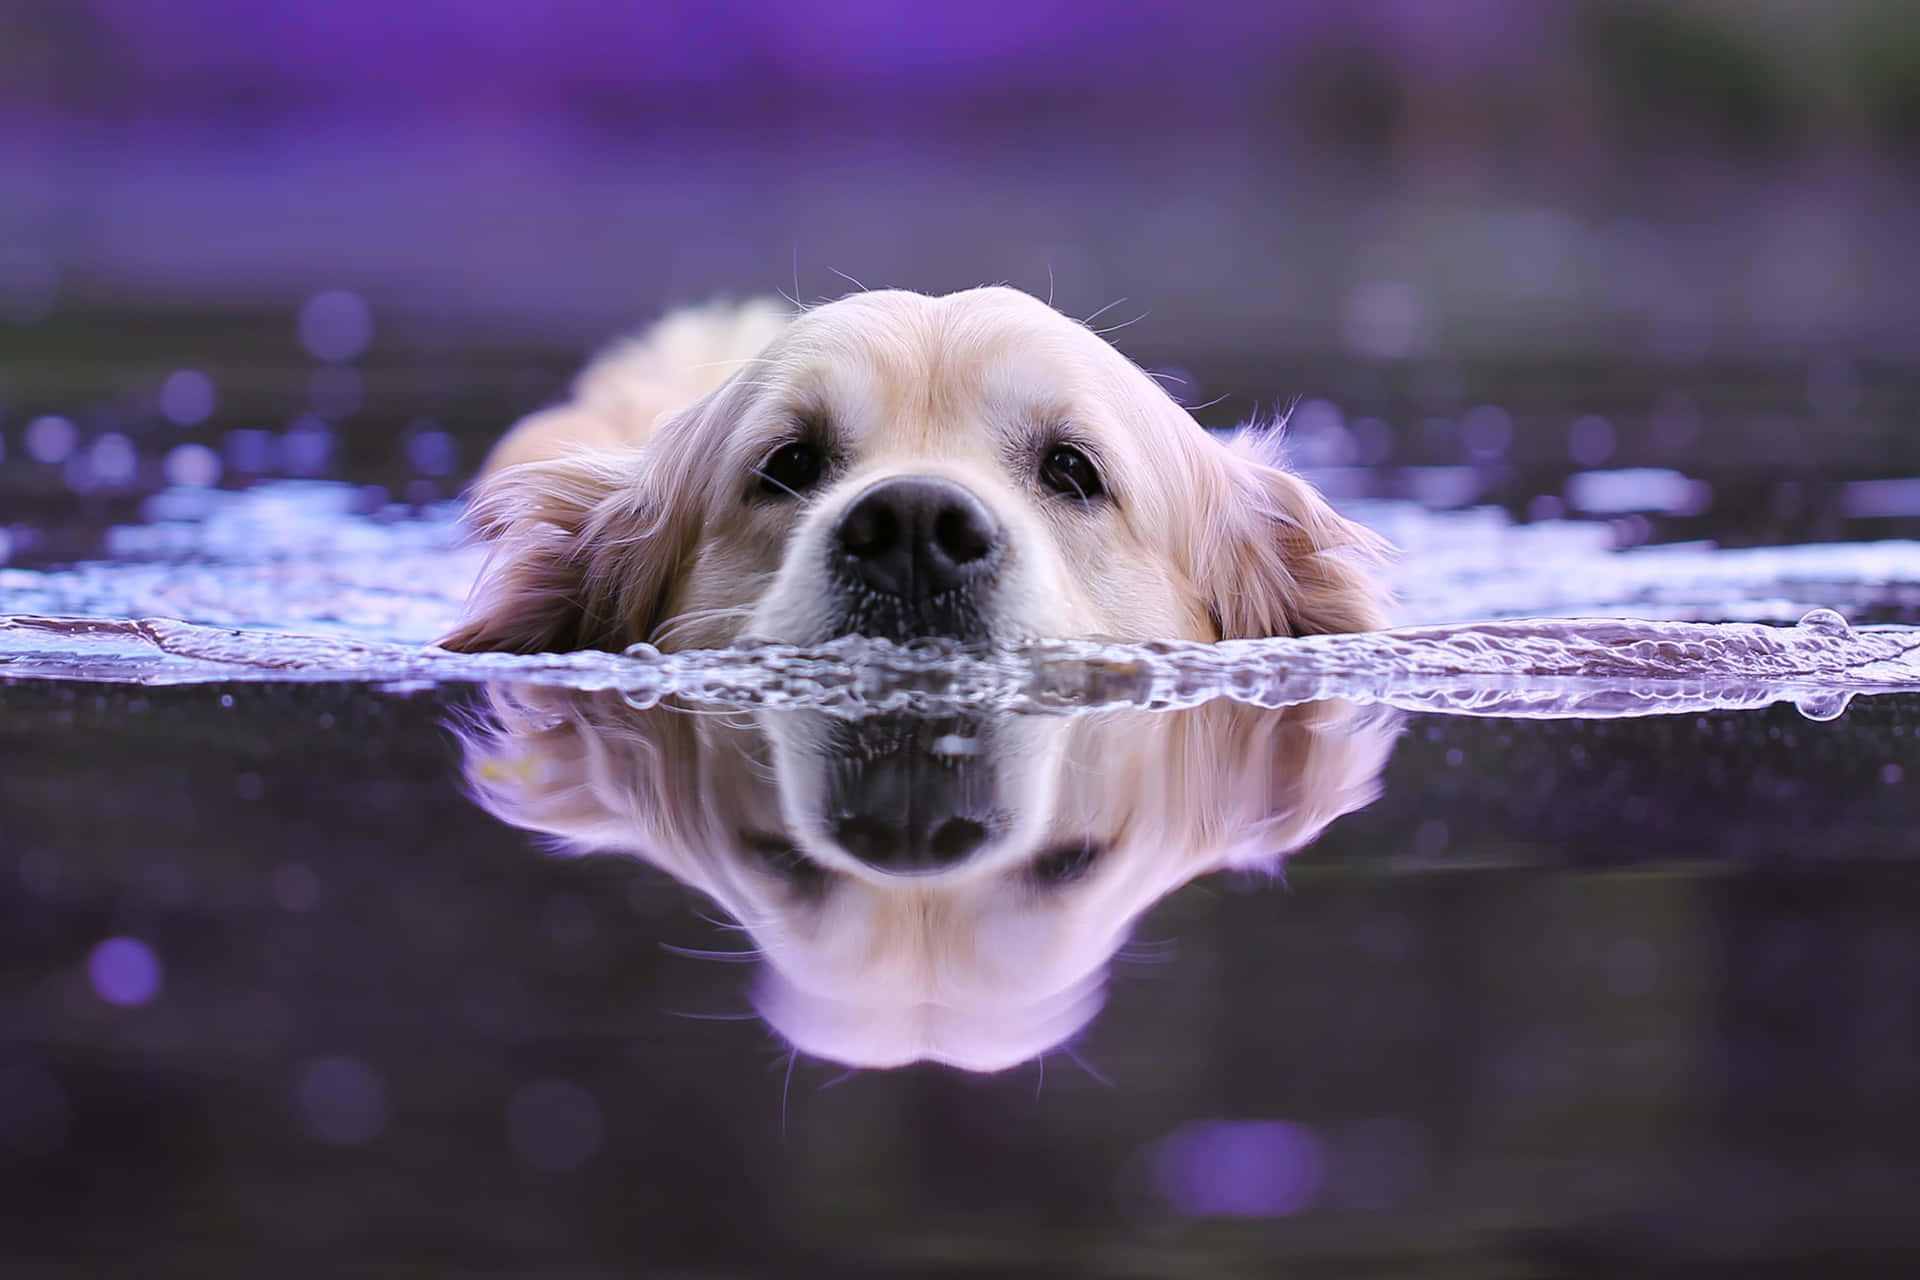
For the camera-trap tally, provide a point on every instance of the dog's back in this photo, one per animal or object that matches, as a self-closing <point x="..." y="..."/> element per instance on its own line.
<point x="667" y="366"/>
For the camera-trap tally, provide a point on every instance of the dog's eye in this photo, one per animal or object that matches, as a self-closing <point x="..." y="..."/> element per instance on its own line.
<point x="1070" y="473"/>
<point x="1065" y="863"/>
<point x="791" y="470"/>
<point x="779" y="855"/>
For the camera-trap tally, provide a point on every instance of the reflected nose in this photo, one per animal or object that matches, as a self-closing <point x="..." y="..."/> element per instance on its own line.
<point x="903" y="848"/>
<point x="916" y="537"/>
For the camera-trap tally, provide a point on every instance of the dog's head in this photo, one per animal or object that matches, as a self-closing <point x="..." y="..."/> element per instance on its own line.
<point x="975" y="466"/>
<point x="948" y="889"/>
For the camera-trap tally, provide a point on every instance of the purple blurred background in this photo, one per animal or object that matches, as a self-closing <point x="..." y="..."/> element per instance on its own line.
<point x="1680" y="181"/>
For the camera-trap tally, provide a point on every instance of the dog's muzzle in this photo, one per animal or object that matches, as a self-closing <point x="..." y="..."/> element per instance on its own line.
<point x="911" y="796"/>
<point x="913" y="556"/>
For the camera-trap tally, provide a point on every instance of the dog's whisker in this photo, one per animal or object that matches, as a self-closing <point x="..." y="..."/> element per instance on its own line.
<point x="839" y="1080"/>
<point x="704" y="953"/>
<point x="1084" y="1065"/>
<point x="1088" y="320"/>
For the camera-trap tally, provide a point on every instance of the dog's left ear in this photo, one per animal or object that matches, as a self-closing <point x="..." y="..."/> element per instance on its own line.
<point x="1282" y="562"/>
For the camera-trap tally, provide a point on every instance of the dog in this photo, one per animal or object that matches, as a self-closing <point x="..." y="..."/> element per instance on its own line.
<point x="975" y="466"/>
<point x="946" y="888"/>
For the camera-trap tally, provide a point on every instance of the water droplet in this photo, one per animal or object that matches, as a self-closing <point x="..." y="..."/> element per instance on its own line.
<point x="1824" y="706"/>
<point x="1827" y="622"/>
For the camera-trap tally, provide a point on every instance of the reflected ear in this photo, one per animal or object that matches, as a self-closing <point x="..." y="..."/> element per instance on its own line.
<point x="1286" y="775"/>
<point x="585" y="553"/>
<point x="1285" y="563"/>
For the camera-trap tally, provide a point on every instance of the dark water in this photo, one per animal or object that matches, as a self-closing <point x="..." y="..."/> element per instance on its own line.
<point x="1484" y="971"/>
<point x="1571" y="997"/>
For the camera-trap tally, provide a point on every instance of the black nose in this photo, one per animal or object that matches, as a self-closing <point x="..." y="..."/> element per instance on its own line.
<point x="916" y="537"/>
<point x="906" y="847"/>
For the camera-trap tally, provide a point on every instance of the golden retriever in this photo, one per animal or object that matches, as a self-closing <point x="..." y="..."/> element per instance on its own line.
<point x="949" y="888"/>
<point x="976" y="466"/>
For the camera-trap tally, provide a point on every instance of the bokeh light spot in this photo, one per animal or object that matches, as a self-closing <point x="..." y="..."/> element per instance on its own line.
<point x="187" y="398"/>
<point x="335" y="324"/>
<point x="1239" y="1169"/>
<point x="124" y="971"/>
<point x="51" y="438"/>
<point x="192" y="466"/>
<point x="1590" y="440"/>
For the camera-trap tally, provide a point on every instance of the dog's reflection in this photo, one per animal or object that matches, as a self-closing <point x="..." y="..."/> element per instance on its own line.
<point x="942" y="888"/>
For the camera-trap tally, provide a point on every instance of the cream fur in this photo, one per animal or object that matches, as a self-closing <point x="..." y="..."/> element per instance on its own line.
<point x="622" y="515"/>
<point x="977" y="966"/>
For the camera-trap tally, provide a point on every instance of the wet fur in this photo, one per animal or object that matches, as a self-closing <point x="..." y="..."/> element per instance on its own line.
<point x="977" y="966"/>
<point x="620" y="516"/>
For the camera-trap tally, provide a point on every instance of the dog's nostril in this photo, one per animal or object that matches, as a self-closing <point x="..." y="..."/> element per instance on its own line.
<point x="876" y="843"/>
<point x="870" y="529"/>
<point x="956" y="532"/>
<point x="954" y="839"/>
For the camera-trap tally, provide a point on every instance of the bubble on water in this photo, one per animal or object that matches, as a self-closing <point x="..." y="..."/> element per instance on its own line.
<point x="187" y="398"/>
<point x="50" y="438"/>
<point x="191" y="466"/>
<point x="554" y="1125"/>
<point x="1590" y="440"/>
<point x="340" y="1101"/>
<point x="335" y="324"/>
<point x="1827" y="622"/>
<point x="1239" y="1169"/>
<point x="1824" y="706"/>
<point x="124" y="971"/>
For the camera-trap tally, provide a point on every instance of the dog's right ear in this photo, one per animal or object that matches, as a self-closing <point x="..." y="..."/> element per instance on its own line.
<point x="584" y="556"/>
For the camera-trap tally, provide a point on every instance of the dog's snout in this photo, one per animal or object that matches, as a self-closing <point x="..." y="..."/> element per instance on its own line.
<point x="905" y="847"/>
<point x="916" y="537"/>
